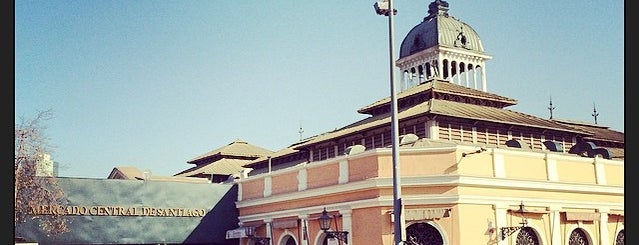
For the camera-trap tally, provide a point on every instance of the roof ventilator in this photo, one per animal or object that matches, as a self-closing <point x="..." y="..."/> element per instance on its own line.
<point x="589" y="149"/>
<point x="354" y="149"/>
<point x="553" y="146"/>
<point x="408" y="139"/>
<point x="517" y="144"/>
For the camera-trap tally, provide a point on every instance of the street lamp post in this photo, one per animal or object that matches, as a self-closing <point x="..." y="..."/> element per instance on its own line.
<point x="386" y="8"/>
<point x="325" y="225"/>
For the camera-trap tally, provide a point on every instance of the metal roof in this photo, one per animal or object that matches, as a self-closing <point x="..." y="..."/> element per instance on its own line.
<point x="444" y="87"/>
<point x="236" y="148"/>
<point x="439" y="28"/>
<point x="497" y="115"/>
<point x="226" y="166"/>
<point x="133" y="173"/>
<point x="599" y="132"/>
<point x="451" y="109"/>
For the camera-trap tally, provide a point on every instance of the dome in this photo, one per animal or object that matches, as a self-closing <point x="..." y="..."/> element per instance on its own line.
<point x="439" y="28"/>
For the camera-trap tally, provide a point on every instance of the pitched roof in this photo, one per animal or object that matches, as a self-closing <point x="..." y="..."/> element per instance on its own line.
<point x="443" y="87"/>
<point x="498" y="115"/>
<point x="282" y="152"/>
<point x="447" y="108"/>
<point x="125" y="172"/>
<point x="236" y="148"/>
<point x="133" y="173"/>
<point x="224" y="166"/>
<point x="598" y="132"/>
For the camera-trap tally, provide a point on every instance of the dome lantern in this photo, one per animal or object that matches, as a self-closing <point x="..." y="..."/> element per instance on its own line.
<point x="442" y="47"/>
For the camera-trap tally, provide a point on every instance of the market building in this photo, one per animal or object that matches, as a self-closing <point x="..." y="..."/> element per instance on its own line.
<point x="472" y="170"/>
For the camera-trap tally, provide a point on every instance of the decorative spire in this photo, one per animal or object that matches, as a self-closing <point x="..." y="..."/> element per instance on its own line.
<point x="437" y="7"/>
<point x="551" y="108"/>
<point x="300" y="131"/>
<point x="594" y="112"/>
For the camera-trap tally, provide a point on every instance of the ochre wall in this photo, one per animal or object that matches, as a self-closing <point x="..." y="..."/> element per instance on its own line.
<point x="422" y="174"/>
<point x="576" y="172"/>
<point x="362" y="168"/>
<point x="479" y="164"/>
<point x="284" y="183"/>
<point x="475" y="220"/>
<point x="614" y="174"/>
<point x="253" y="188"/>
<point x="324" y="175"/>
<point x="370" y="223"/>
<point x="524" y="167"/>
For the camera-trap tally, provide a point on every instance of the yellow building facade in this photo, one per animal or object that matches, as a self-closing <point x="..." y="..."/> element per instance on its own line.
<point x="470" y="171"/>
<point x="461" y="196"/>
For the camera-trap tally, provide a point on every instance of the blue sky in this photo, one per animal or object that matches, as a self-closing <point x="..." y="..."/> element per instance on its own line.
<point x="152" y="84"/>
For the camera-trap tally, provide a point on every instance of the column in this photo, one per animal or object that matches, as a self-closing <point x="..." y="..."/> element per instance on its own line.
<point x="347" y="224"/>
<point x="267" y="186"/>
<point x="450" y="70"/>
<point x="304" y="240"/>
<point x="483" y="79"/>
<point x="498" y="163"/>
<point x="269" y="230"/>
<point x="402" y="82"/>
<point x="474" y="77"/>
<point x="555" y="225"/>
<point x="600" y="171"/>
<point x="604" y="236"/>
<point x="466" y="73"/>
<point x="459" y="76"/>
<point x="342" y="178"/>
<point x="500" y="221"/>
<point x="302" y="179"/>
<point x="432" y="130"/>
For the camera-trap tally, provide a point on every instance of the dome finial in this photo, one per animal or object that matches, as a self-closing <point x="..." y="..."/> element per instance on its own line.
<point x="437" y="7"/>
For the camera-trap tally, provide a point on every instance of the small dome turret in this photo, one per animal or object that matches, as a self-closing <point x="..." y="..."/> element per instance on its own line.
<point x="440" y="28"/>
<point x="442" y="47"/>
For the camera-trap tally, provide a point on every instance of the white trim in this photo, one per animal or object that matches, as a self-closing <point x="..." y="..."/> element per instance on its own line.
<point x="268" y="189"/>
<point x="551" y="168"/>
<point x="302" y="179"/>
<point x="600" y="171"/>
<point x="484" y="182"/>
<point x="488" y="183"/>
<point x="343" y="172"/>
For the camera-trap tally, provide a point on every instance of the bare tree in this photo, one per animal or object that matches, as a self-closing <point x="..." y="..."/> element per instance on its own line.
<point x="31" y="190"/>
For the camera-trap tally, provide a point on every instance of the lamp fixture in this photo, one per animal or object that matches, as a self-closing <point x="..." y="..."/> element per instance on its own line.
<point x="382" y="8"/>
<point x="507" y="231"/>
<point x="325" y="225"/>
<point x="480" y="150"/>
<point x="250" y="233"/>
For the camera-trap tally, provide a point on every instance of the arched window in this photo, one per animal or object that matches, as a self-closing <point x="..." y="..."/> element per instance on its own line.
<point x="290" y="241"/>
<point x="620" y="238"/>
<point x="423" y="234"/>
<point x="578" y="237"/>
<point x="445" y="72"/>
<point x="527" y="236"/>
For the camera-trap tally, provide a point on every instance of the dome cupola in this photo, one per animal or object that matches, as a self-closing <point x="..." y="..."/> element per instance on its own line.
<point x="442" y="46"/>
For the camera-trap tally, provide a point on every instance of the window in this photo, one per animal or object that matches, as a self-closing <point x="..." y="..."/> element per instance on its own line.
<point x="290" y="241"/>
<point x="578" y="237"/>
<point x="423" y="234"/>
<point x="620" y="238"/>
<point x="527" y="236"/>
